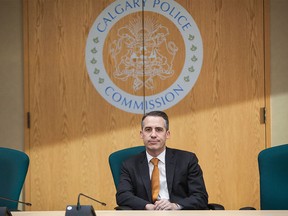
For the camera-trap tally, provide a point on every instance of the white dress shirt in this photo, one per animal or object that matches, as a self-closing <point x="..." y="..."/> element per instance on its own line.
<point x="163" y="193"/>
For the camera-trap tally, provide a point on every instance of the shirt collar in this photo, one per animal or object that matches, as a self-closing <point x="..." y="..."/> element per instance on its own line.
<point x="161" y="156"/>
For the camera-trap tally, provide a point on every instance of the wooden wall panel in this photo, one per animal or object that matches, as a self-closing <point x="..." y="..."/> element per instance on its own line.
<point x="73" y="129"/>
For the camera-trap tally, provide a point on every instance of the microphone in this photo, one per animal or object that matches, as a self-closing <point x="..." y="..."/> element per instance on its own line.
<point x="4" y="211"/>
<point x="15" y="201"/>
<point x="84" y="210"/>
<point x="81" y="194"/>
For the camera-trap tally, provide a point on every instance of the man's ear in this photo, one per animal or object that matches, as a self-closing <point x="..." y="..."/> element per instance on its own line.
<point x="141" y="134"/>
<point x="168" y="134"/>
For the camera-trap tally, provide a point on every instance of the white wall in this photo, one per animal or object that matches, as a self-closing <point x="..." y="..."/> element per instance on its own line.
<point x="11" y="73"/>
<point x="279" y="72"/>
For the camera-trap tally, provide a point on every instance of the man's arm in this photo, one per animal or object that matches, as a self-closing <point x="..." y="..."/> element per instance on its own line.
<point x="126" y="190"/>
<point x="195" y="195"/>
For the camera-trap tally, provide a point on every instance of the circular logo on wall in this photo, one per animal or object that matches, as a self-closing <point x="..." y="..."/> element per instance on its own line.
<point x="144" y="60"/>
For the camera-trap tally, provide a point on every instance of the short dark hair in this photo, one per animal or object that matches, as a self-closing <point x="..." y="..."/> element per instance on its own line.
<point x="157" y="113"/>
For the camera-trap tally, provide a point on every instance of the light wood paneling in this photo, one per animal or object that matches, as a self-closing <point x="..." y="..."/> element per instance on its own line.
<point x="73" y="129"/>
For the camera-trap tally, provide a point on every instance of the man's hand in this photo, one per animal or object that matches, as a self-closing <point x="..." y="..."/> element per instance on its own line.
<point x="165" y="204"/>
<point x="150" y="207"/>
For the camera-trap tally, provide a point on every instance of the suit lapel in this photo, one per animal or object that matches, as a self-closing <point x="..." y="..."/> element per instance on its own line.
<point x="144" y="172"/>
<point x="170" y="162"/>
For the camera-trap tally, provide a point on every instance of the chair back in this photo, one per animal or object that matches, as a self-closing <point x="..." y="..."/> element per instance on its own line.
<point x="13" y="169"/>
<point x="116" y="159"/>
<point x="273" y="168"/>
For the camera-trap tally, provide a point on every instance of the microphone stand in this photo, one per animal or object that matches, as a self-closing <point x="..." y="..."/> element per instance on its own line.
<point x="4" y="211"/>
<point x="84" y="210"/>
<point x="16" y="201"/>
<point x="81" y="194"/>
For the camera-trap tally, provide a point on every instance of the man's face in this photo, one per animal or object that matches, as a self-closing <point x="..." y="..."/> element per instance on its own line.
<point x="154" y="134"/>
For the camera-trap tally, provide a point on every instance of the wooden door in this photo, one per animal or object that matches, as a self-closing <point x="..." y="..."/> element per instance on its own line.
<point x="73" y="129"/>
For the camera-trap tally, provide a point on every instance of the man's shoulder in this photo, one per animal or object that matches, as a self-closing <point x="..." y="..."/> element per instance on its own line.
<point x="180" y="152"/>
<point x="137" y="157"/>
<point x="181" y="156"/>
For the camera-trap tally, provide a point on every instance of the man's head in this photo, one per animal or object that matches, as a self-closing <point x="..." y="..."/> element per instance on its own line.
<point x="155" y="131"/>
<point x="159" y="114"/>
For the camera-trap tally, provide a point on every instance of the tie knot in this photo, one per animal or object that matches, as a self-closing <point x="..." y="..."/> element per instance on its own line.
<point x="155" y="161"/>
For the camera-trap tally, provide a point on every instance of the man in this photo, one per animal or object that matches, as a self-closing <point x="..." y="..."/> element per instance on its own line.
<point x="181" y="180"/>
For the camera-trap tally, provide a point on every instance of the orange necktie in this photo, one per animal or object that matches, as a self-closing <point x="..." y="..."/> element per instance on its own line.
<point x="155" y="182"/>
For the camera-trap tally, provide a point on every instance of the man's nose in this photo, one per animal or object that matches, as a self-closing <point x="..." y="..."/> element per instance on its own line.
<point x="153" y="133"/>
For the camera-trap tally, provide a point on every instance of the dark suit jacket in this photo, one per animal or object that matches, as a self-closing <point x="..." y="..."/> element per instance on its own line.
<point x="184" y="180"/>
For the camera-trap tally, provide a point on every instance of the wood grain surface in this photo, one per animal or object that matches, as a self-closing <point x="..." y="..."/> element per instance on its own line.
<point x="74" y="130"/>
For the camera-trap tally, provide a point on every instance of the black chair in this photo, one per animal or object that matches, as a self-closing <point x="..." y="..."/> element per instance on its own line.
<point x="115" y="162"/>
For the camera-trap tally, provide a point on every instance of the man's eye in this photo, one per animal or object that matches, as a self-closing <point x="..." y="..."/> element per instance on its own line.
<point x="147" y="129"/>
<point x="159" y="129"/>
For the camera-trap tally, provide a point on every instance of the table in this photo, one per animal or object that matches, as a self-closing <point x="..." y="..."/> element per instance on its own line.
<point x="162" y="213"/>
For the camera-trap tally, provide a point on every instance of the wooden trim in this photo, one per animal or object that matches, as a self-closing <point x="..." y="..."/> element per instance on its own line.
<point x="267" y="70"/>
<point x="27" y="186"/>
